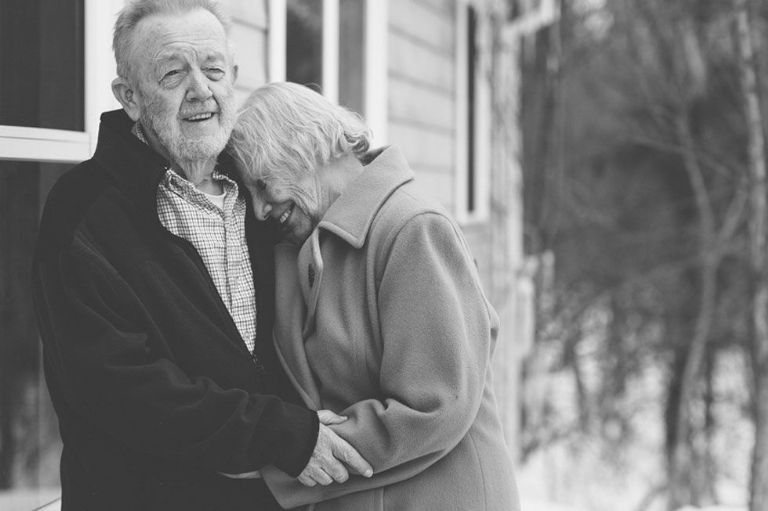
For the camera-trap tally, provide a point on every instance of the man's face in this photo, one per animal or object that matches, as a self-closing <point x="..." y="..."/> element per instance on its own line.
<point x="184" y="76"/>
<point x="293" y="206"/>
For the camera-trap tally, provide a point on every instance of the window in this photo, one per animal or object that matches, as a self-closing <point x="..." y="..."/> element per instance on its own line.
<point x="42" y="86"/>
<point x="49" y="102"/>
<point x="42" y="117"/>
<point x="304" y="43"/>
<point x="30" y="447"/>
<point x="337" y="47"/>
<point x="352" y="55"/>
<point x="325" y="48"/>
<point x="45" y="126"/>
<point x="472" y="115"/>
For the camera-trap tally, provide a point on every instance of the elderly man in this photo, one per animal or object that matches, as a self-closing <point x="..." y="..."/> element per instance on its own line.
<point x="154" y="290"/>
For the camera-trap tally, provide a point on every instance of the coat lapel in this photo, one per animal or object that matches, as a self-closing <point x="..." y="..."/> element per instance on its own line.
<point x="290" y="315"/>
<point x="310" y="271"/>
<point x="350" y="216"/>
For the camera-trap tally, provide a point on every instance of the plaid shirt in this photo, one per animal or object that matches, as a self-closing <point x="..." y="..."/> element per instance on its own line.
<point x="219" y="237"/>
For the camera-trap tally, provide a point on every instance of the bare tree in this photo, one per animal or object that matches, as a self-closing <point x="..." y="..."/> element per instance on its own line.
<point x="758" y="258"/>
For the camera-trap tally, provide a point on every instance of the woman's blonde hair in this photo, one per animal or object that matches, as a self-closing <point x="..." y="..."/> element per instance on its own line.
<point x="286" y="131"/>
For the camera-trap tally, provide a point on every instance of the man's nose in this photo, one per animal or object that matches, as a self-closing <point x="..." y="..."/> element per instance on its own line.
<point x="261" y="208"/>
<point x="198" y="89"/>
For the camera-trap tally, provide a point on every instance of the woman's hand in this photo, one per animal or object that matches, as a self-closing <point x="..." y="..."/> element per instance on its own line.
<point x="333" y="458"/>
<point x="329" y="418"/>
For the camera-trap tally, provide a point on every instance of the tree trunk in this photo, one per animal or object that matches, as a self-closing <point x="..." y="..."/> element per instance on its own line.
<point x="681" y="489"/>
<point x="757" y="255"/>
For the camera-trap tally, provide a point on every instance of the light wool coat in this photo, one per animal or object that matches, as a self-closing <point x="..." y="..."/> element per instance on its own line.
<point x="381" y="318"/>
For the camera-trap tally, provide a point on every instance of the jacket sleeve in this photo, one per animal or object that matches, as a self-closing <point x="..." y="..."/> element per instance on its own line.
<point x="100" y="363"/>
<point x="437" y="331"/>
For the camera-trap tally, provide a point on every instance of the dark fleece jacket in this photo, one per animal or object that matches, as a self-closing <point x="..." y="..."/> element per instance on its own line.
<point x="154" y="388"/>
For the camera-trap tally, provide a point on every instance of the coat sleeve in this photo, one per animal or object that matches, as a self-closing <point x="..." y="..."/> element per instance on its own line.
<point x="437" y="331"/>
<point x="99" y="361"/>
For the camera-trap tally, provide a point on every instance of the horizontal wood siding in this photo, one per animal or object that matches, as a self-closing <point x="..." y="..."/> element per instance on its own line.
<point x="429" y="26"/>
<point x="443" y="6"/>
<point x="420" y="105"/>
<point x="478" y="237"/>
<point x="414" y="62"/>
<point x="422" y="102"/>
<point x="434" y="183"/>
<point x="425" y="148"/>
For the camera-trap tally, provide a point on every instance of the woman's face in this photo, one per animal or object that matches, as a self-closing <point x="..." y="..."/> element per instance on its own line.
<point x="294" y="207"/>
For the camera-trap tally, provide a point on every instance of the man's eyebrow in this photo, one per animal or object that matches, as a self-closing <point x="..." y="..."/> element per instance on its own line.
<point x="165" y="57"/>
<point x="176" y="52"/>
<point x="214" y="55"/>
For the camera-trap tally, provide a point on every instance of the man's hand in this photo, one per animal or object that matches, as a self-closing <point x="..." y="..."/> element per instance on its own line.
<point x="332" y="456"/>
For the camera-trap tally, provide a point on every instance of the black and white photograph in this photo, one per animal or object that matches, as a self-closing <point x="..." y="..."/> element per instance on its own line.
<point x="385" y="255"/>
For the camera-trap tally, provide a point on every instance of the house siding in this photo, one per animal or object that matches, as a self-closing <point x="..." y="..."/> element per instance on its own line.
<point x="422" y="99"/>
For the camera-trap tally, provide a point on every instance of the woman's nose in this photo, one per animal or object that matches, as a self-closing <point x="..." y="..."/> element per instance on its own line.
<point x="261" y="208"/>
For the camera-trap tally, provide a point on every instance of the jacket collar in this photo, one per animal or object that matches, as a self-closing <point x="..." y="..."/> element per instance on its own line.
<point x="134" y="167"/>
<point x="351" y="215"/>
<point x="132" y="164"/>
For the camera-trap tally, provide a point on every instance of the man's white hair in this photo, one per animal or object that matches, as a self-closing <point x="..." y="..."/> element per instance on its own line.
<point x="286" y="131"/>
<point x="136" y="10"/>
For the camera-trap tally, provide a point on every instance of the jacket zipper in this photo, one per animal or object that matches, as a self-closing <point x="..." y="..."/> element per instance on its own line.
<point x="195" y="256"/>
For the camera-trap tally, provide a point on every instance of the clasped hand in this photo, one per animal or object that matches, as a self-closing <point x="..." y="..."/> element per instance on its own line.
<point x="333" y="458"/>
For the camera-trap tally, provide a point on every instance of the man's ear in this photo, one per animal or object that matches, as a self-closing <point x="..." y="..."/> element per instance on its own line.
<point x="126" y="95"/>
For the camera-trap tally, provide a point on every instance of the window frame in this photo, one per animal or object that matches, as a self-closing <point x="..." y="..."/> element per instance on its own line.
<point x="70" y="146"/>
<point x="374" y="60"/>
<point x="481" y="117"/>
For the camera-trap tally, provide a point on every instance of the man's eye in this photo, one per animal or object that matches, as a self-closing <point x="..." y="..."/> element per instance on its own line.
<point x="172" y="76"/>
<point x="214" y="73"/>
<point x="261" y="185"/>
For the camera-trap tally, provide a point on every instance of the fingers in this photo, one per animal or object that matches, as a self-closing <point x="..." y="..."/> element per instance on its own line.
<point x="331" y="453"/>
<point x="349" y="455"/>
<point x="335" y="471"/>
<point x="323" y="467"/>
<point x="314" y="475"/>
<point x="328" y="417"/>
<point x="306" y="480"/>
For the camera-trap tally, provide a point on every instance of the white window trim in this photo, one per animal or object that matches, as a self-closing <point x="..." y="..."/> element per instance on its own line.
<point x="69" y="146"/>
<point x="375" y="60"/>
<point x="40" y="144"/>
<point x="377" y="70"/>
<point x="331" y="50"/>
<point x="482" y="119"/>
<point x="277" y="40"/>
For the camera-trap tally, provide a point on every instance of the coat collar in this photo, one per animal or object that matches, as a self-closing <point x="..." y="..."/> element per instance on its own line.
<point x="132" y="165"/>
<point x="351" y="215"/>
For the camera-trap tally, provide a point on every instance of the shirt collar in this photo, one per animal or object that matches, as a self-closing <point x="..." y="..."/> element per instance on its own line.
<point x="351" y="215"/>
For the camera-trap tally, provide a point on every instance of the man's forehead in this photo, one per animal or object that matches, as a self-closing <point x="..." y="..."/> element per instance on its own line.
<point x="195" y="32"/>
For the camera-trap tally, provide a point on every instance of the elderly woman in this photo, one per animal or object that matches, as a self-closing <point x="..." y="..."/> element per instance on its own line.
<point x="380" y="314"/>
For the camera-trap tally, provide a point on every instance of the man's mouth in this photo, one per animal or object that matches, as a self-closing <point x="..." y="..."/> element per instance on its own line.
<point x="283" y="219"/>
<point x="200" y="117"/>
